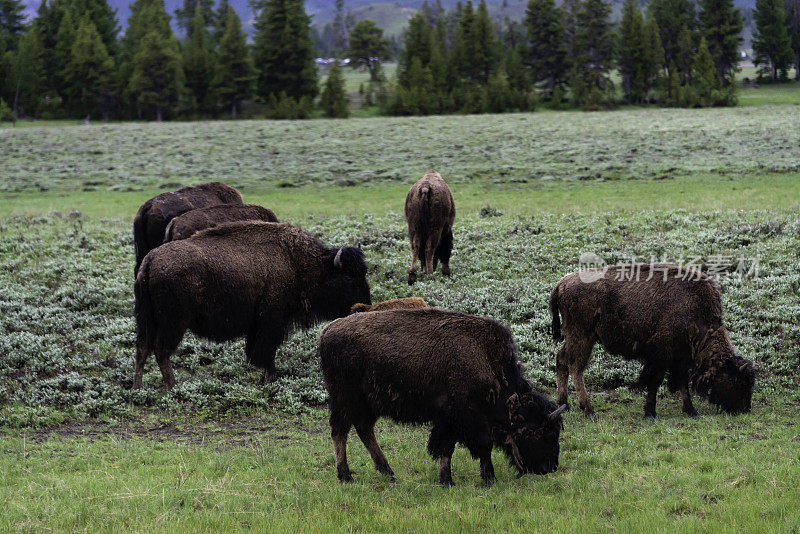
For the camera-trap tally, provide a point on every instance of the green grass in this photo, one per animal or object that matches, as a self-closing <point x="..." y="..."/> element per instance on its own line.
<point x="81" y="451"/>
<point x="276" y="473"/>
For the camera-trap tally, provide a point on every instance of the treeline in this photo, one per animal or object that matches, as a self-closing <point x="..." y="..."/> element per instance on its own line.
<point x="70" y="61"/>
<point x="678" y="53"/>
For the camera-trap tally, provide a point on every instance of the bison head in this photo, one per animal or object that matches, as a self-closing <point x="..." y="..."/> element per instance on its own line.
<point x="345" y="282"/>
<point x="721" y="375"/>
<point x="532" y="443"/>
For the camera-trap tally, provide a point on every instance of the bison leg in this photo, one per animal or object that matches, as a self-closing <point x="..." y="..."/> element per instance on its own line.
<point x="340" y="427"/>
<point x="412" y="271"/>
<point x="487" y="468"/>
<point x="260" y="348"/>
<point x="688" y="407"/>
<point x="366" y="432"/>
<point x="166" y="343"/>
<point x="445" y="249"/>
<point x="441" y="445"/>
<point x="577" y="355"/>
<point x="650" y="398"/>
<point x="138" y="365"/>
<point x="431" y="246"/>
<point x="562" y="377"/>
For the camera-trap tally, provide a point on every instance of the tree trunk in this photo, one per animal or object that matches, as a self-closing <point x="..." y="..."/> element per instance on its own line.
<point x="14" y="111"/>
<point x="233" y="111"/>
<point x="158" y="114"/>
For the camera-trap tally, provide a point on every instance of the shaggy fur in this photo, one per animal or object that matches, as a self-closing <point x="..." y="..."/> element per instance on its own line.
<point x="454" y="370"/>
<point x="248" y="279"/>
<point x="154" y="215"/>
<point x="671" y="324"/>
<point x="408" y="303"/>
<point x="430" y="212"/>
<point x="193" y="221"/>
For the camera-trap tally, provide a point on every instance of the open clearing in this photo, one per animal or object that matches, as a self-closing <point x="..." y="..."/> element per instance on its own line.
<point x="533" y="192"/>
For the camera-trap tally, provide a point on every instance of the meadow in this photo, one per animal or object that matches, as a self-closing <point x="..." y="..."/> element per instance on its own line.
<point x="533" y="192"/>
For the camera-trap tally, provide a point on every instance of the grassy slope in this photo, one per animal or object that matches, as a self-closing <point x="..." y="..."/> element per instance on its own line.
<point x="275" y="471"/>
<point x="716" y="474"/>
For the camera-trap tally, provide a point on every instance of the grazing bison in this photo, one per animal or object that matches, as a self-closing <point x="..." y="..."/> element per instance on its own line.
<point x="193" y="221"/>
<point x="430" y="212"/>
<point x="408" y="303"/>
<point x="457" y="371"/>
<point x="666" y="316"/>
<point x="154" y="215"/>
<point x="247" y="279"/>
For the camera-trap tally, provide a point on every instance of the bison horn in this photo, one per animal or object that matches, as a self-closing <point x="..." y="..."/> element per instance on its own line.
<point x="337" y="261"/>
<point x="558" y="411"/>
<point x="743" y="367"/>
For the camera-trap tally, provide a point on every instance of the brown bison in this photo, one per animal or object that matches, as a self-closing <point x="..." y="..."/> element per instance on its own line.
<point x="408" y="303"/>
<point x="193" y="221"/>
<point x="248" y="279"/>
<point x="666" y="316"/>
<point x="430" y="212"/>
<point x="154" y="215"/>
<point x="454" y="370"/>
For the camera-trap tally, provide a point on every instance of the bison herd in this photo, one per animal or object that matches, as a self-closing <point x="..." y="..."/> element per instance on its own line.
<point x="210" y="264"/>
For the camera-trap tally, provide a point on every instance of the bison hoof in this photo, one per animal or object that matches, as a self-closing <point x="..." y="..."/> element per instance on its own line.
<point x="693" y="414"/>
<point x="412" y="278"/>
<point x="445" y="270"/>
<point x="269" y="378"/>
<point x="650" y="417"/>
<point x="345" y="477"/>
<point x="447" y="483"/>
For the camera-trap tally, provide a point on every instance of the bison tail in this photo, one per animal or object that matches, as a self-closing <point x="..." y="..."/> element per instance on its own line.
<point x="554" y="313"/>
<point x="142" y="247"/>
<point x="424" y="221"/>
<point x="143" y="310"/>
<point x="170" y="231"/>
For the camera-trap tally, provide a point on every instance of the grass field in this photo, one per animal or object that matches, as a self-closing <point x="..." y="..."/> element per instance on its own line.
<point x="81" y="451"/>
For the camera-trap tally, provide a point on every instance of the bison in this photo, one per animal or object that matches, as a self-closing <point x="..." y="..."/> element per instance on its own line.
<point x="154" y="215"/>
<point x="666" y="316"/>
<point x="248" y="279"/>
<point x="407" y="303"/>
<point x="430" y="212"/>
<point x="454" y="370"/>
<point x="193" y="221"/>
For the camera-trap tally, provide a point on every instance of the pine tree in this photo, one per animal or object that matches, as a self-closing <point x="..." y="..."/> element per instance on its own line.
<point x="157" y="79"/>
<point x="62" y="55"/>
<point x="185" y="15"/>
<point x="485" y="52"/>
<point x="655" y="60"/>
<point x="333" y="99"/>
<point x="594" y="54"/>
<point x="672" y="16"/>
<point x="793" y="23"/>
<point x="102" y="16"/>
<point x="771" y="42"/>
<point x="461" y="55"/>
<point x="27" y="69"/>
<point x="220" y="20"/>
<point x="417" y="38"/>
<point x="705" y="79"/>
<point x="684" y="55"/>
<point x="339" y="29"/>
<point x="368" y="47"/>
<point x="721" y="25"/>
<point x="89" y="72"/>
<point x="12" y="23"/>
<point x="236" y="74"/>
<point x="283" y="51"/>
<point x="198" y="64"/>
<point x="146" y="16"/>
<point x="546" y="44"/>
<point x="633" y="55"/>
<point x="46" y="24"/>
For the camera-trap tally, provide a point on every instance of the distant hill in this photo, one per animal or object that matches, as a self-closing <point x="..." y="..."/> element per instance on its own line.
<point x="391" y="16"/>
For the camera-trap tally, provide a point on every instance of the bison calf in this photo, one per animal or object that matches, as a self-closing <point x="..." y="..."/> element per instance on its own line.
<point x="250" y="279"/>
<point x="193" y="221"/>
<point x="154" y="215"/>
<point x="457" y="371"/>
<point x="666" y="316"/>
<point x="430" y="212"/>
<point x="408" y="303"/>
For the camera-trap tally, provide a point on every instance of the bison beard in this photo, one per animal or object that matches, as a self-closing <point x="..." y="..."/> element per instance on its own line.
<point x="154" y="215"/>
<point x="193" y="221"/>
<point x="251" y="279"/>
<point x="454" y="370"/>
<point x="668" y="319"/>
<point x="430" y="212"/>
